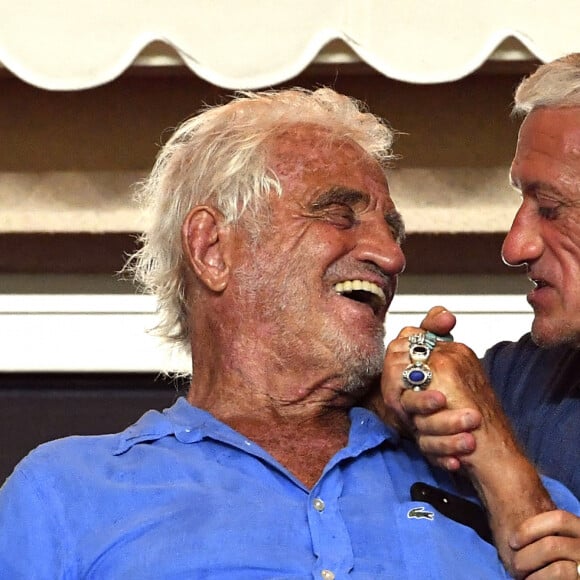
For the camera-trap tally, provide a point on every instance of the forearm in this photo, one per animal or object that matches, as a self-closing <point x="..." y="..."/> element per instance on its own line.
<point x="511" y="491"/>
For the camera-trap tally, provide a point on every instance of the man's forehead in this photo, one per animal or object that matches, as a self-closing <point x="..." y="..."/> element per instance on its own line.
<point x="303" y="146"/>
<point x="554" y="128"/>
<point x="311" y="159"/>
<point x="548" y="150"/>
<point x="306" y="140"/>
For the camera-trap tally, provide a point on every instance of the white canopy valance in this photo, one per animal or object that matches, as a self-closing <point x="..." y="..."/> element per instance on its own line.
<point x="248" y="44"/>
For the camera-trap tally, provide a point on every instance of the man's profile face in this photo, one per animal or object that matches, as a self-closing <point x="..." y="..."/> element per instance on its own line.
<point x="545" y="233"/>
<point x="334" y="225"/>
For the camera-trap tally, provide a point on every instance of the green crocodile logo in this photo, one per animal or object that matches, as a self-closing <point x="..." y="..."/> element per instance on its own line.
<point x="420" y="513"/>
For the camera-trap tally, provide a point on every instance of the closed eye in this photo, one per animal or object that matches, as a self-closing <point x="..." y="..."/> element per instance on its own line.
<point x="342" y="216"/>
<point x="549" y="213"/>
<point x="339" y="206"/>
<point x="549" y="207"/>
<point x="397" y="226"/>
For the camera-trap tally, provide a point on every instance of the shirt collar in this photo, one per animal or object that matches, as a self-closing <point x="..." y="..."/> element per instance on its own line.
<point x="188" y="424"/>
<point x="367" y="431"/>
<point x="181" y="420"/>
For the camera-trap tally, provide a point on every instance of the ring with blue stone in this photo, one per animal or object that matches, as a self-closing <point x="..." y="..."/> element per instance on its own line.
<point x="417" y="376"/>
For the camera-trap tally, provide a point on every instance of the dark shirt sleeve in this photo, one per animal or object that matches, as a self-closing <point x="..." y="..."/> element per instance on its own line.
<point x="505" y="364"/>
<point x="539" y="389"/>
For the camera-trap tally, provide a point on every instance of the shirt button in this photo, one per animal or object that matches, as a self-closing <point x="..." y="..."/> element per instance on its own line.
<point x="318" y="505"/>
<point x="327" y="575"/>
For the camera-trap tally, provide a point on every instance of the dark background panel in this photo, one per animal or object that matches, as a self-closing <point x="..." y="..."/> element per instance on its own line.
<point x="41" y="253"/>
<point x="35" y="408"/>
<point x="120" y="125"/>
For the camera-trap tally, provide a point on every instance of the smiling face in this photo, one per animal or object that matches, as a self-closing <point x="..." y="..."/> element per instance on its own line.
<point x="322" y="274"/>
<point x="545" y="234"/>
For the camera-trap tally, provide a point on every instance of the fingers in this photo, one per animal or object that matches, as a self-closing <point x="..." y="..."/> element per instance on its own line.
<point x="547" y="559"/>
<point x="448" y="463"/>
<point x="561" y="570"/>
<point x="441" y="434"/>
<point x="392" y="386"/>
<point x="446" y="434"/>
<point x="548" y="546"/>
<point x="441" y="417"/>
<point x="435" y="446"/>
<point x="423" y="402"/>
<point x="439" y="320"/>
<point x="447" y="422"/>
<point x="406" y="332"/>
<point x="555" y="522"/>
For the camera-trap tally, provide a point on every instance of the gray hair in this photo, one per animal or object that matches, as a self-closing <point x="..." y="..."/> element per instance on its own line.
<point x="219" y="158"/>
<point x="554" y="84"/>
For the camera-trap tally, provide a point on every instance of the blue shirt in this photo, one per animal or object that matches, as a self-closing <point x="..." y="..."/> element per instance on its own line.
<point x="179" y="495"/>
<point x="539" y="389"/>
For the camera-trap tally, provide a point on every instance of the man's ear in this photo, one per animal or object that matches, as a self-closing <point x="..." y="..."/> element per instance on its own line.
<point x="206" y="244"/>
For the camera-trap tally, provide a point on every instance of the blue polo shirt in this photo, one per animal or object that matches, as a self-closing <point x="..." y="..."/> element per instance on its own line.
<point x="179" y="495"/>
<point x="539" y="389"/>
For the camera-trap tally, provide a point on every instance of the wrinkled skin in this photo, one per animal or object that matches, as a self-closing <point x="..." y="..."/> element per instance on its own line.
<point x="544" y="239"/>
<point x="275" y="342"/>
<point x="545" y="234"/>
<point x="457" y="418"/>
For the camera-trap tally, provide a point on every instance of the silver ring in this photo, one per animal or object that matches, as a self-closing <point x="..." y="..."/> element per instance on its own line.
<point x="419" y="353"/>
<point x="417" y="338"/>
<point x="417" y="376"/>
<point x="432" y="338"/>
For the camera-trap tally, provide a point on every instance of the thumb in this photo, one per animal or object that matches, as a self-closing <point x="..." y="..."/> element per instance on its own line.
<point x="439" y="320"/>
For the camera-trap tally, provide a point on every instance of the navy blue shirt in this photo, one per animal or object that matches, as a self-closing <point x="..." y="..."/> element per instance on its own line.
<point x="180" y="495"/>
<point x="540" y="392"/>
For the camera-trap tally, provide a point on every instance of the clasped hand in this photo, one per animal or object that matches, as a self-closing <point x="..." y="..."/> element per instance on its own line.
<point x="459" y="425"/>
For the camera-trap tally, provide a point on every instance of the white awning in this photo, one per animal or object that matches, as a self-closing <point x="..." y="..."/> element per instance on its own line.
<point x="249" y="44"/>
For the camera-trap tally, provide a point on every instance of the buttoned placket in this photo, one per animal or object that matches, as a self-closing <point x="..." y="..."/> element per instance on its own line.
<point x="331" y="541"/>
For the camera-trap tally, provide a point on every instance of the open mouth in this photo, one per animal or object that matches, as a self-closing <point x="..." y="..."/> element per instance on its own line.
<point x="364" y="292"/>
<point x="538" y="283"/>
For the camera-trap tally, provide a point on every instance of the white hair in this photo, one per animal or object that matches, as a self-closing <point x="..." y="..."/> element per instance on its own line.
<point x="554" y="84"/>
<point x="219" y="158"/>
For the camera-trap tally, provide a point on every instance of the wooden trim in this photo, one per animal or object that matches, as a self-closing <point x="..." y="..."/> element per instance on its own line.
<point x="83" y="253"/>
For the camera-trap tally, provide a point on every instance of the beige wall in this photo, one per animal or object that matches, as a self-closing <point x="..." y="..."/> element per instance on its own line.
<point x="68" y="159"/>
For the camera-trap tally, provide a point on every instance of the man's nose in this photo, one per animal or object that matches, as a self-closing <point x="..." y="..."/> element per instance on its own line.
<point x="377" y="245"/>
<point x="523" y="243"/>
